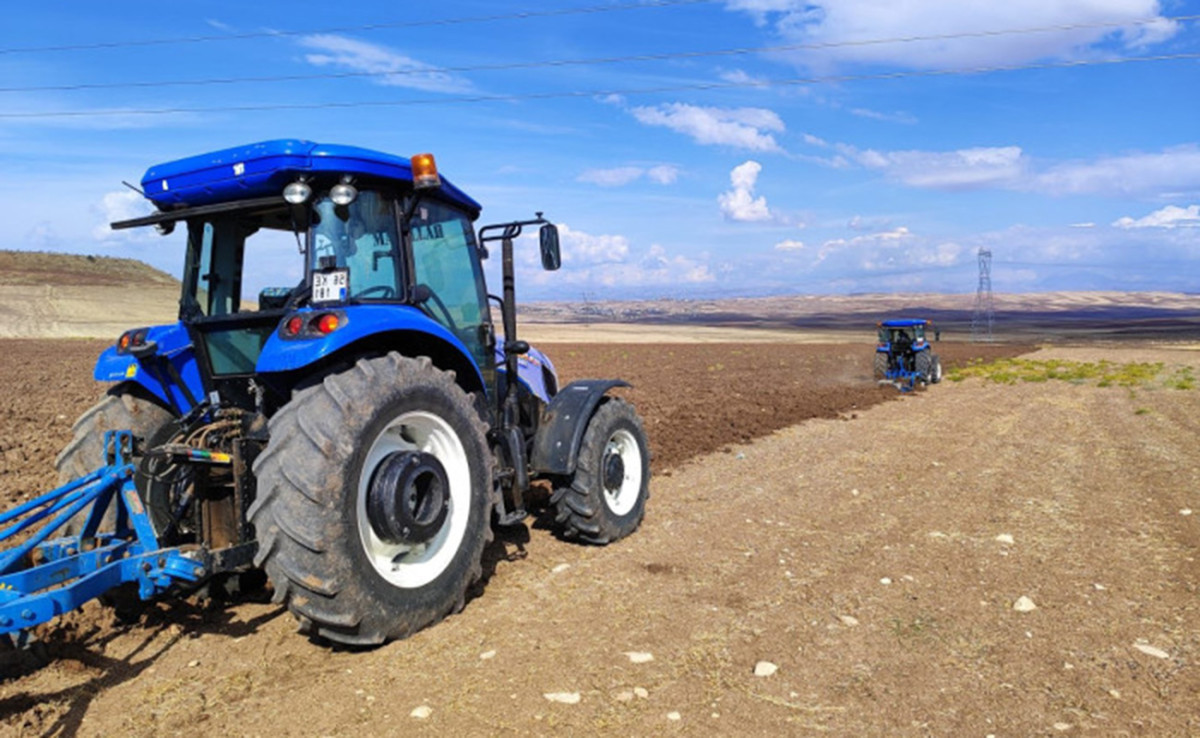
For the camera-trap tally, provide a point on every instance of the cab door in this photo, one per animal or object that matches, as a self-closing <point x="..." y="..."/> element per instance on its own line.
<point x="446" y="263"/>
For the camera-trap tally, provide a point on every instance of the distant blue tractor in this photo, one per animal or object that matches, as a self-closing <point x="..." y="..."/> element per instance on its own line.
<point x="355" y="433"/>
<point x="904" y="355"/>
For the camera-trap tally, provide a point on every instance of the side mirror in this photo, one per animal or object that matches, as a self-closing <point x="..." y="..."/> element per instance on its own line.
<point x="551" y="258"/>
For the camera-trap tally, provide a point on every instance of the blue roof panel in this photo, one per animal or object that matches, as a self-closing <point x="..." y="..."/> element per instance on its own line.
<point x="904" y="322"/>
<point x="263" y="169"/>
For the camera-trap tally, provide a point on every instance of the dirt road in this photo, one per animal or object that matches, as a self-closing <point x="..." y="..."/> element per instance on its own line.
<point x="874" y="561"/>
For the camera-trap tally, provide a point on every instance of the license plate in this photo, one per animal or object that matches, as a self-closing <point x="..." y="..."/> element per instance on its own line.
<point x="330" y="286"/>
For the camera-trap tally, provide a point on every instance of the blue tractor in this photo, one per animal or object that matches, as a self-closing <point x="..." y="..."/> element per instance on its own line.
<point x="355" y="427"/>
<point x="904" y="356"/>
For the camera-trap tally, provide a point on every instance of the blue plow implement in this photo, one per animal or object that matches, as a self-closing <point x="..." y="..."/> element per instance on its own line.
<point x="42" y="576"/>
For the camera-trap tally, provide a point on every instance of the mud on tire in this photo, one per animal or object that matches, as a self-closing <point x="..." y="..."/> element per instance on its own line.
<point x="329" y="565"/>
<point x="606" y="498"/>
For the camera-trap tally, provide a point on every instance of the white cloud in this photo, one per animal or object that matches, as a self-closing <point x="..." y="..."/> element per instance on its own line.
<point x="944" y="170"/>
<point x="579" y="248"/>
<point x="1173" y="170"/>
<point x="740" y="203"/>
<point x="1171" y="216"/>
<point x="607" y="260"/>
<point x="840" y="27"/>
<point x="121" y="205"/>
<point x="741" y="77"/>
<point x="393" y="68"/>
<point x="663" y="174"/>
<point x="615" y="177"/>
<point x="866" y="246"/>
<point x="789" y="245"/>
<point x="740" y="128"/>
<point x="760" y="9"/>
<point x="904" y="118"/>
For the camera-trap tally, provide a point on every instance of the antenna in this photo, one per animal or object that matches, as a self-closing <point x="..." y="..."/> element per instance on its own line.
<point x="985" y="309"/>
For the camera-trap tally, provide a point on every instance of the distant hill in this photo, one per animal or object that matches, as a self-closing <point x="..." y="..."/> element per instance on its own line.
<point x="42" y="267"/>
<point x="71" y="295"/>
<point x="1037" y="316"/>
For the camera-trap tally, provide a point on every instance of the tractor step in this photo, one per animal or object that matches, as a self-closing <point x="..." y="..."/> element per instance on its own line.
<point x="506" y="519"/>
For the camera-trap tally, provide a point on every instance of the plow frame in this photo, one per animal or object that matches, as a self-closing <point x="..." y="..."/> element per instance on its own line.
<point x="42" y="577"/>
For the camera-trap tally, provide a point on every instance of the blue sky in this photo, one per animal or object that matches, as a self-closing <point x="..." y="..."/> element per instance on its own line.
<point x="841" y="149"/>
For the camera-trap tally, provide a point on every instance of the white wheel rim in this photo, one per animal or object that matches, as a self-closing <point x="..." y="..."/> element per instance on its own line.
<point x="622" y="498"/>
<point x="402" y="565"/>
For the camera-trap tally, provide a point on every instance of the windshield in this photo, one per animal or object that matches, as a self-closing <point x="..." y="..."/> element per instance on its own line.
<point x="360" y="238"/>
<point x="907" y="334"/>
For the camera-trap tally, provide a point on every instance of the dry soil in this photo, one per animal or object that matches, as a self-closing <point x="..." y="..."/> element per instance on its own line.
<point x="872" y="553"/>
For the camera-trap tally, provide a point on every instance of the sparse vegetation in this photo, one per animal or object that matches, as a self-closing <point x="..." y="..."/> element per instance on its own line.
<point x="1100" y="373"/>
<point x="48" y="268"/>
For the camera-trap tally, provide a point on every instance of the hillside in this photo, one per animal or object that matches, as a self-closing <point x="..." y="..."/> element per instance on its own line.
<point x="1036" y="316"/>
<point x="71" y="295"/>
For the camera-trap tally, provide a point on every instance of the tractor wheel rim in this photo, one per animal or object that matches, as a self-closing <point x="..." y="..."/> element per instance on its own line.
<point x="402" y="565"/>
<point x="620" y="495"/>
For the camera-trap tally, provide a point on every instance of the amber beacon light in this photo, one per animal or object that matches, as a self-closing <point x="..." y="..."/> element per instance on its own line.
<point x="424" y="172"/>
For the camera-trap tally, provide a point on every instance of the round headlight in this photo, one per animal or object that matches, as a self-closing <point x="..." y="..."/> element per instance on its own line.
<point x="297" y="193"/>
<point x="343" y="194"/>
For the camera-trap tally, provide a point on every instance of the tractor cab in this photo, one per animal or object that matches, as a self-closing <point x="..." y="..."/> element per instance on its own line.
<point x="366" y="236"/>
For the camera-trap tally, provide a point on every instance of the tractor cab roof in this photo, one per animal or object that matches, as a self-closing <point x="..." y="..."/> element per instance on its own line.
<point x="905" y="323"/>
<point x="263" y="169"/>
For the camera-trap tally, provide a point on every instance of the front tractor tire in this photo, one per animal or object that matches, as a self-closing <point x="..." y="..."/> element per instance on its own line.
<point x="374" y="501"/>
<point x="606" y="498"/>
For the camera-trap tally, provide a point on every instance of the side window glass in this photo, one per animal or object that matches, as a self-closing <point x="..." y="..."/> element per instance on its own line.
<point x="204" y="274"/>
<point x="446" y="263"/>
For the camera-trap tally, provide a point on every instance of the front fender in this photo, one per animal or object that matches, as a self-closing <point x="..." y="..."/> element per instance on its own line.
<point x="564" y="421"/>
<point x="280" y="354"/>
<point x="532" y="369"/>
<point x="174" y="351"/>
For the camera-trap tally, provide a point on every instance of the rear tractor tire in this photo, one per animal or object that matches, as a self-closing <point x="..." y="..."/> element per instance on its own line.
<point x="374" y="501"/>
<point x="923" y="365"/>
<point x="881" y="365"/>
<point x="606" y="498"/>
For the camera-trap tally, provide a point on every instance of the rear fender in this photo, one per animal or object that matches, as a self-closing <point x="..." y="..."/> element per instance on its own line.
<point x="170" y="373"/>
<point x="370" y="329"/>
<point x="564" y="421"/>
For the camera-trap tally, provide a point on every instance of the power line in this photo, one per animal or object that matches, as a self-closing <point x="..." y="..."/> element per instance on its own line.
<point x="964" y="71"/>
<point x="524" y="15"/>
<point x="663" y="56"/>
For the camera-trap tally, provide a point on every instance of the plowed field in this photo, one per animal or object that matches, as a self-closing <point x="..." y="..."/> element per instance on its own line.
<point x="872" y="555"/>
